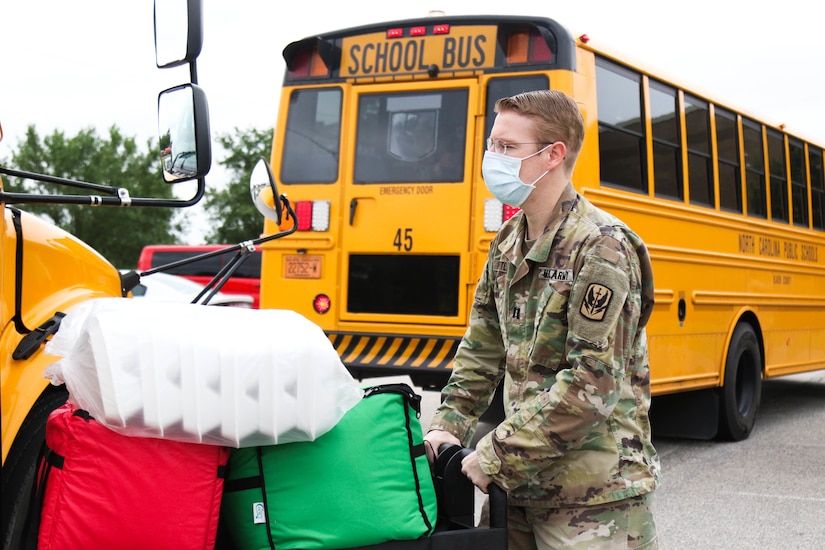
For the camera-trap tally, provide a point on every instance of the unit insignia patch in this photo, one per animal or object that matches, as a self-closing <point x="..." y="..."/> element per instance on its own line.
<point x="595" y="302"/>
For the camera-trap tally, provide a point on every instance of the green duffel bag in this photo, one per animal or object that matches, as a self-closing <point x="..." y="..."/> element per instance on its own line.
<point x="364" y="482"/>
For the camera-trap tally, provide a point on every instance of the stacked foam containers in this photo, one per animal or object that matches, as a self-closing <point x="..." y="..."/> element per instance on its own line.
<point x="214" y="375"/>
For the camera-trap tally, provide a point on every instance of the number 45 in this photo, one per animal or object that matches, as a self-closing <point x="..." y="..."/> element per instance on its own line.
<point x="404" y="241"/>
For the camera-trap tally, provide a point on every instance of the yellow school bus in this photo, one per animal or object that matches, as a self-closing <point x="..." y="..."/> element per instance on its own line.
<point x="379" y="142"/>
<point x="45" y="272"/>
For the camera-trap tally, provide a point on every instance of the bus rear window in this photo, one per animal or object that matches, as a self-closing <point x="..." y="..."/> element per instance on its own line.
<point x="313" y="136"/>
<point x="411" y="137"/>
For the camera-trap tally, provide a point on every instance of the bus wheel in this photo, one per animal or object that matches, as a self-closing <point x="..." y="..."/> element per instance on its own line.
<point x="742" y="388"/>
<point x="21" y="463"/>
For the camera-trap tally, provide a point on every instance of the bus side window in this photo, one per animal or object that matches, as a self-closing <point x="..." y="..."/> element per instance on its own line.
<point x="817" y="187"/>
<point x="667" y="146"/>
<point x="622" y="159"/>
<point x="730" y="171"/>
<point x="700" y="167"/>
<point x="799" y="187"/>
<point x="756" y="188"/>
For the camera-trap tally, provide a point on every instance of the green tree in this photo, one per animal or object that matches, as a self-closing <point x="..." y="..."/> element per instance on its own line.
<point x="231" y="207"/>
<point x="117" y="233"/>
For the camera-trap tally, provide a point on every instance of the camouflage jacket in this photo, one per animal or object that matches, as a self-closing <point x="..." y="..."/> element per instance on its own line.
<point x="564" y="327"/>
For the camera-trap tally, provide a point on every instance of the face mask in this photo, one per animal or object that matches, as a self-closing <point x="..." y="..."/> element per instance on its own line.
<point x="501" y="175"/>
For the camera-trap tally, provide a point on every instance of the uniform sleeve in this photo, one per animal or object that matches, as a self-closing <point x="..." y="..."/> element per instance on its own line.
<point x="600" y="313"/>
<point x="478" y="366"/>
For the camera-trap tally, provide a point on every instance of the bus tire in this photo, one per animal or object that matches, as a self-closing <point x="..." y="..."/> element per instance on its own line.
<point x="742" y="389"/>
<point x="21" y="463"/>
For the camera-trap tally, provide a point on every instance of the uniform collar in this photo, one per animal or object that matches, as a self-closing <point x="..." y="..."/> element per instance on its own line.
<point x="511" y="247"/>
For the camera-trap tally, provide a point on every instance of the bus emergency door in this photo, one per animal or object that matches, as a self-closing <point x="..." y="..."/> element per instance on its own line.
<point x="405" y="236"/>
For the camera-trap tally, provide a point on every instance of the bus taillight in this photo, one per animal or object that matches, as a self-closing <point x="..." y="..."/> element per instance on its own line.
<point x="496" y="213"/>
<point x="312" y="215"/>
<point x="321" y="303"/>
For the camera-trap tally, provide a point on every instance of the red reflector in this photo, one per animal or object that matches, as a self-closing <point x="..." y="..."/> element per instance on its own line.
<point x="303" y="212"/>
<point x="418" y="31"/>
<point x="321" y="303"/>
<point x="509" y="212"/>
<point x="441" y="29"/>
<point x="395" y="33"/>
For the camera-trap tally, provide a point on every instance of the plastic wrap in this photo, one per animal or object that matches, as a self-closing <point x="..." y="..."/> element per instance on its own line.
<point x="204" y="374"/>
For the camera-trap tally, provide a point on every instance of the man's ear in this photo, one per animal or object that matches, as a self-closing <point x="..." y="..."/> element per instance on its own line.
<point x="556" y="154"/>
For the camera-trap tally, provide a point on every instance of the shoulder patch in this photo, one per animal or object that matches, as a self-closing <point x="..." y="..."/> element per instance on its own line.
<point x="550" y="274"/>
<point x="596" y="301"/>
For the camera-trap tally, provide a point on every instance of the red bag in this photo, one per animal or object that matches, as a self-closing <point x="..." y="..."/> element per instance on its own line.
<point x="105" y="490"/>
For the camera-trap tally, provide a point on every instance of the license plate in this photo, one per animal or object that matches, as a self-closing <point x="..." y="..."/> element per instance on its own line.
<point x="302" y="267"/>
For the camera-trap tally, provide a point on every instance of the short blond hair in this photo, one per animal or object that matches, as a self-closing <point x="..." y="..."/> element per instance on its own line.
<point x="555" y="117"/>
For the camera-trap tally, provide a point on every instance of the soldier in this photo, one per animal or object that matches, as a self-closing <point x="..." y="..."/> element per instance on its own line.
<point x="559" y="315"/>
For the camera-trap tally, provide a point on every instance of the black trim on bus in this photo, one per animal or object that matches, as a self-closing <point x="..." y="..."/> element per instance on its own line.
<point x="329" y="44"/>
<point x="394" y="354"/>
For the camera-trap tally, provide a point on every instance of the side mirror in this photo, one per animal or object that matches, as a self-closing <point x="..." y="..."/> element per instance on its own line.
<point x="183" y="133"/>
<point x="265" y="192"/>
<point x="178" y="32"/>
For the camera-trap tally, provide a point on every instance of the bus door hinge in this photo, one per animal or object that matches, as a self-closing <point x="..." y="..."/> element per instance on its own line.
<point x="353" y="205"/>
<point x="33" y="340"/>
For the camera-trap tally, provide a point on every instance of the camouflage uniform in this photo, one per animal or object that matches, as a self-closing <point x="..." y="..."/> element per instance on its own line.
<point x="563" y="325"/>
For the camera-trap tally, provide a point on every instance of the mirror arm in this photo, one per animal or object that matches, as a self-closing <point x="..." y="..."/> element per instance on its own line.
<point x="193" y="72"/>
<point x="60" y="181"/>
<point x="121" y="197"/>
<point x="243" y="249"/>
<point x="225" y="273"/>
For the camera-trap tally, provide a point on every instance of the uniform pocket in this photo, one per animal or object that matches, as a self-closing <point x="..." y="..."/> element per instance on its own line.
<point x="551" y="329"/>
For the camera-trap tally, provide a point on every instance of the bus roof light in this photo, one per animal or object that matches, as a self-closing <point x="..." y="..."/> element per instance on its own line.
<point x="518" y="44"/>
<point x="528" y="46"/>
<point x="395" y="33"/>
<point x="317" y="67"/>
<point x="441" y="29"/>
<point x="418" y="31"/>
<point x="299" y="67"/>
<point x="307" y="63"/>
<point x="539" y="49"/>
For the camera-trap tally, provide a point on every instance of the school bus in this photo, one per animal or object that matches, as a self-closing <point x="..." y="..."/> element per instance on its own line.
<point x="379" y="141"/>
<point x="45" y="271"/>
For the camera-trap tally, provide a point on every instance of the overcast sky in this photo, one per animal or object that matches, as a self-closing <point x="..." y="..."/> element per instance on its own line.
<point x="72" y="65"/>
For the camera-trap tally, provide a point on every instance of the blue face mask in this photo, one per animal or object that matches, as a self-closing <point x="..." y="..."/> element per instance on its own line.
<point x="501" y="175"/>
